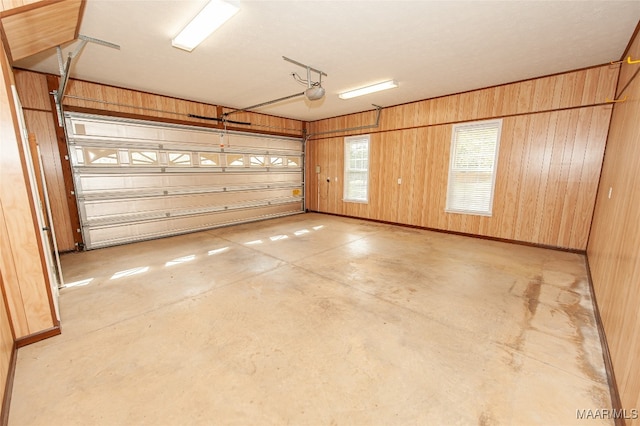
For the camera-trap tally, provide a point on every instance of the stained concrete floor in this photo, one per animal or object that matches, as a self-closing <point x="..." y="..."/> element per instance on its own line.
<point x="314" y="320"/>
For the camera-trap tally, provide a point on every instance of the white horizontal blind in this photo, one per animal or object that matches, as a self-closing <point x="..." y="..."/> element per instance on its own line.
<point x="474" y="154"/>
<point x="356" y="168"/>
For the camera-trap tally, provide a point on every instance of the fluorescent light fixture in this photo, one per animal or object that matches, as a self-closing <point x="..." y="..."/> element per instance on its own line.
<point x="214" y="14"/>
<point x="368" y="89"/>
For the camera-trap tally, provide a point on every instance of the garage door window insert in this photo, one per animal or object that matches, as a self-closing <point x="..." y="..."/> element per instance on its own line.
<point x="356" y="169"/>
<point x="472" y="169"/>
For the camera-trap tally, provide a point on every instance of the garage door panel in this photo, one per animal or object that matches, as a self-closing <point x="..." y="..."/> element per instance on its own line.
<point x="91" y="185"/>
<point x="136" y="180"/>
<point x="121" y="210"/>
<point x="108" y="235"/>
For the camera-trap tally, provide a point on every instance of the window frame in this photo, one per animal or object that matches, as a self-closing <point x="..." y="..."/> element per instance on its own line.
<point x="348" y="140"/>
<point x="452" y="159"/>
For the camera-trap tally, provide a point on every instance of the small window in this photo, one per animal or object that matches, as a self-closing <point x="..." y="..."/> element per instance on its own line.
<point x="257" y="161"/>
<point x="277" y="161"/>
<point x="144" y="158"/>
<point x="101" y="157"/>
<point x="356" y="169"/>
<point x="293" y="162"/>
<point x="235" y="160"/>
<point x="179" y="159"/>
<point x="472" y="168"/>
<point x="209" y="159"/>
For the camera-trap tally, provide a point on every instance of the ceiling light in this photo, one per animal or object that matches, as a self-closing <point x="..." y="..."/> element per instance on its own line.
<point x="214" y="14"/>
<point x="368" y="89"/>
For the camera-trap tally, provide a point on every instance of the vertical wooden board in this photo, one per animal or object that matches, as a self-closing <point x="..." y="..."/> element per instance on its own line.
<point x="607" y="84"/>
<point x="554" y="192"/>
<point x="546" y="183"/>
<point x="532" y="175"/>
<point x="555" y="233"/>
<point x="580" y="135"/>
<point x="406" y="173"/>
<point x="590" y="174"/>
<point x="338" y="172"/>
<point x="525" y="96"/>
<point x="627" y="71"/>
<point x="41" y="124"/>
<point x="19" y="237"/>
<point x="497" y="100"/>
<point x="10" y="276"/>
<point x="543" y="92"/>
<point x="310" y="179"/>
<point x="32" y="89"/>
<point x="485" y="103"/>
<point x="558" y="91"/>
<point x="321" y="160"/>
<point x="389" y="192"/>
<point x="516" y="132"/>
<point x="439" y="170"/>
<point x="6" y="343"/>
<point x="503" y="191"/>
<point x="418" y="172"/>
<point x="578" y="88"/>
<point x="465" y="110"/>
<point x="591" y="85"/>
<point x="510" y="100"/>
<point x="568" y="87"/>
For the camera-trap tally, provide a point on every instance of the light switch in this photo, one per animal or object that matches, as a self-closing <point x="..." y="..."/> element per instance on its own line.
<point x="399" y="181"/>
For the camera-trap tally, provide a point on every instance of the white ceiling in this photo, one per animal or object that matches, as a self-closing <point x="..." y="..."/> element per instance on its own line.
<point x="431" y="48"/>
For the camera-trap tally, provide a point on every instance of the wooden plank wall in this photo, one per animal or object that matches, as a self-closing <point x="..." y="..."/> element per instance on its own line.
<point x="26" y="284"/>
<point x="102" y="99"/>
<point x="32" y="89"/>
<point x="553" y="137"/>
<point x="6" y="344"/>
<point x="12" y="4"/>
<point x="151" y="106"/>
<point x="614" y="244"/>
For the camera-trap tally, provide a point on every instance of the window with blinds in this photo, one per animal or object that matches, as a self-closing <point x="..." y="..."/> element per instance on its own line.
<point x="356" y="169"/>
<point x="472" y="169"/>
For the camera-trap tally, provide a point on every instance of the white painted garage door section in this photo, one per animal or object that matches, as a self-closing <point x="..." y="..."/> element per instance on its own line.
<point x="137" y="180"/>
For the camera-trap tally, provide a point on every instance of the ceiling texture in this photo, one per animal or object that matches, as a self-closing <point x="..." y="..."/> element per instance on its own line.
<point x="431" y="48"/>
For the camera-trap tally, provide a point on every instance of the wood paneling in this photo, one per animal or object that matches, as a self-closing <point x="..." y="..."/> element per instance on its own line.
<point x="34" y="96"/>
<point x="265" y="123"/>
<point x="548" y="165"/>
<point x="40" y="123"/>
<point x="26" y="285"/>
<point x="614" y="244"/>
<point x="46" y="25"/>
<point x="12" y="4"/>
<point x="32" y="89"/>
<point x="628" y="71"/>
<point x="6" y="344"/>
<point x="579" y="88"/>
<point x="108" y="98"/>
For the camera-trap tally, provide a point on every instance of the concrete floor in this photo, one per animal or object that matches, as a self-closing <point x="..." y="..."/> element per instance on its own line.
<point x="318" y="320"/>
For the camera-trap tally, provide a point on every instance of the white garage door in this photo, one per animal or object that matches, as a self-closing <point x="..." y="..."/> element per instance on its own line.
<point x="137" y="180"/>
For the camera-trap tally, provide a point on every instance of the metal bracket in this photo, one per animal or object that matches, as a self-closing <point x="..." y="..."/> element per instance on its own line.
<point x="65" y="68"/>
